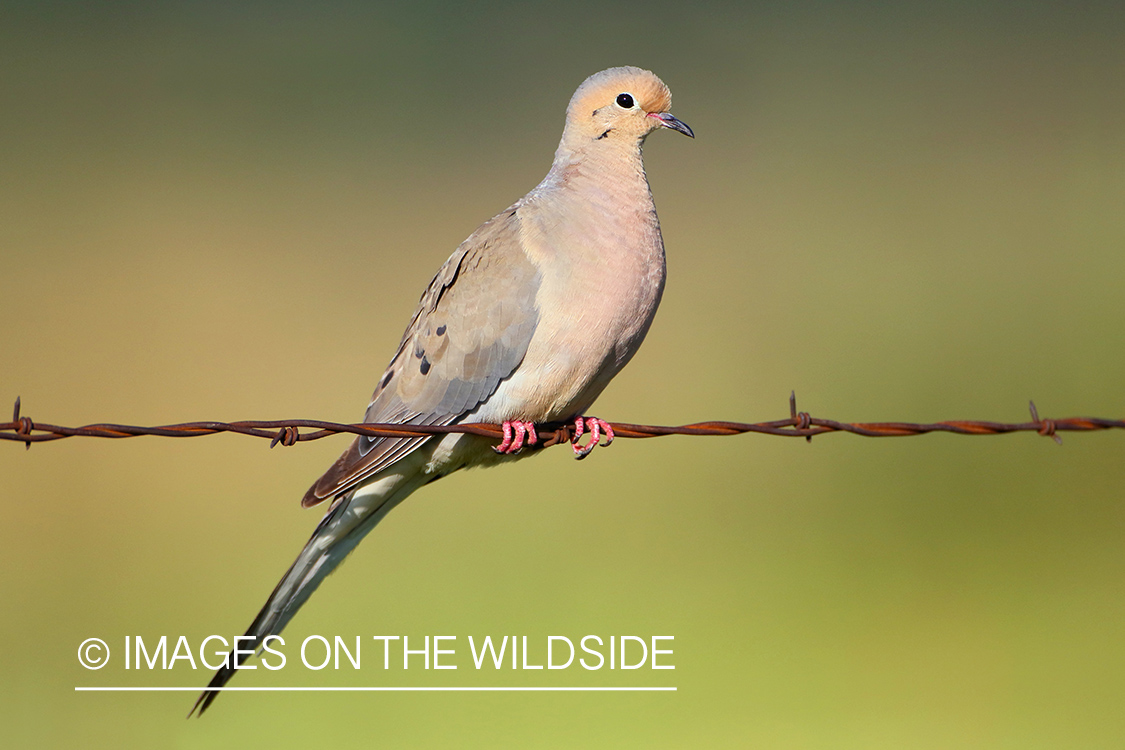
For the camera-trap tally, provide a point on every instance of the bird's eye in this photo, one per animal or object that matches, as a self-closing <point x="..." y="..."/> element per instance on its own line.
<point x="624" y="101"/>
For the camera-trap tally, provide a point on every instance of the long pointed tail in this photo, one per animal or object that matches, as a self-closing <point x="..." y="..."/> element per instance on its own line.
<point x="342" y="528"/>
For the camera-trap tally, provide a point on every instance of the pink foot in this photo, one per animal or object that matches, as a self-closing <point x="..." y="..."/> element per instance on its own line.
<point x="596" y="427"/>
<point x="513" y="444"/>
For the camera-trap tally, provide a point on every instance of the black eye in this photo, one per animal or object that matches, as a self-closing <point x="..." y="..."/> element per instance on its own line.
<point x="624" y="101"/>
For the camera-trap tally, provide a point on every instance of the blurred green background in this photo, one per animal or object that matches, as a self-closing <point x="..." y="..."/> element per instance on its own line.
<point x="215" y="211"/>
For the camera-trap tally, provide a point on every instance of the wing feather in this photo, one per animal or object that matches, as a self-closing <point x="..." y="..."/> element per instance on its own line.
<point x="470" y="331"/>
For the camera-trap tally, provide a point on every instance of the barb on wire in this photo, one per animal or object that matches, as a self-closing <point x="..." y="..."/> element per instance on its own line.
<point x="799" y="424"/>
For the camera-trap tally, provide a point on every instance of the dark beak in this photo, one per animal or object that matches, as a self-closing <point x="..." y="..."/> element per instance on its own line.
<point x="668" y="121"/>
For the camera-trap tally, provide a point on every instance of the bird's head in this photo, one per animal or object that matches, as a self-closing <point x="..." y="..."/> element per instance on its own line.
<point x="620" y="103"/>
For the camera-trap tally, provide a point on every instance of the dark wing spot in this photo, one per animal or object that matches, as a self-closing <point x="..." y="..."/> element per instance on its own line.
<point x="387" y="378"/>
<point x="441" y="330"/>
<point x="425" y="367"/>
<point x="419" y="351"/>
<point x="603" y="135"/>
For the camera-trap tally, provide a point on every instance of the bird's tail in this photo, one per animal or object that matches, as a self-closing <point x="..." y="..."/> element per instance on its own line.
<point x="342" y="528"/>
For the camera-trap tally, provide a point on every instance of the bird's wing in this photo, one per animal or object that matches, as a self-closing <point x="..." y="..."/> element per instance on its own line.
<point x="470" y="331"/>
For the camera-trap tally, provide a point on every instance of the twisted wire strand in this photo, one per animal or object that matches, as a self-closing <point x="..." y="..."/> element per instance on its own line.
<point x="799" y="424"/>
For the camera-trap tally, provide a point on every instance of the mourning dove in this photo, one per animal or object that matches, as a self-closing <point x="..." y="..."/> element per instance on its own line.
<point x="526" y="323"/>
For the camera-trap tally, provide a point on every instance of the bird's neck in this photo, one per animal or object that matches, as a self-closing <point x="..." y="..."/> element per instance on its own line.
<point x="610" y="168"/>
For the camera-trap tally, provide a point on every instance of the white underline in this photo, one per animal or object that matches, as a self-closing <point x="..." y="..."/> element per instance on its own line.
<point x="556" y="689"/>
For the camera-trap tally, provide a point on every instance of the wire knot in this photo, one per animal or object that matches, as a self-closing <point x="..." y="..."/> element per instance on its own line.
<point x="287" y="436"/>
<point x="24" y="425"/>
<point x="1046" y="426"/>
<point x="561" y="435"/>
<point x="801" y="420"/>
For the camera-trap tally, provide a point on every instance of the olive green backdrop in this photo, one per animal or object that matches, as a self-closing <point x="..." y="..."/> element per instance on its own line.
<point x="228" y="212"/>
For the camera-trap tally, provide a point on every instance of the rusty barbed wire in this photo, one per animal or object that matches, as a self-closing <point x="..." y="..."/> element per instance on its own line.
<point x="799" y="424"/>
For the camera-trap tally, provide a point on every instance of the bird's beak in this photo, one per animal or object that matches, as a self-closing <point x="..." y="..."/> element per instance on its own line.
<point x="668" y="121"/>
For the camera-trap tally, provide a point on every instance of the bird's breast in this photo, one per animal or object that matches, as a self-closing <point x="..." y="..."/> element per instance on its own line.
<point x="602" y="275"/>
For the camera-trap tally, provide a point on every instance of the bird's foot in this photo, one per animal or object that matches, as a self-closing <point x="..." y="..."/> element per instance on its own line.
<point x="596" y="427"/>
<point x="515" y="434"/>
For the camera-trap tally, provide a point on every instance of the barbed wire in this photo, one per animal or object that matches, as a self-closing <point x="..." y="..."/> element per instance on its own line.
<point x="799" y="424"/>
